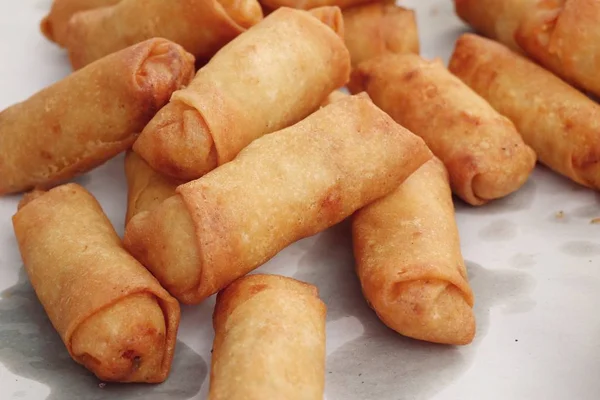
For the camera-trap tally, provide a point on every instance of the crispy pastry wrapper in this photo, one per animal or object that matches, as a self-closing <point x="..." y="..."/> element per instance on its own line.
<point x="247" y="91"/>
<point x="311" y="4"/>
<point x="485" y="155"/>
<point x="202" y="27"/>
<point x="561" y="124"/>
<point x="270" y="336"/>
<point x="409" y="262"/>
<point x="88" y="117"/>
<point x="378" y="28"/>
<point x="283" y="187"/>
<point x="111" y="313"/>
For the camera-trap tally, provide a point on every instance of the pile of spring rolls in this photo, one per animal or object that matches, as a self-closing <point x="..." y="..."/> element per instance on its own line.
<point x="229" y="164"/>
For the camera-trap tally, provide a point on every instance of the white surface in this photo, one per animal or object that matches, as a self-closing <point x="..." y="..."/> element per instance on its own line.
<point x="536" y="280"/>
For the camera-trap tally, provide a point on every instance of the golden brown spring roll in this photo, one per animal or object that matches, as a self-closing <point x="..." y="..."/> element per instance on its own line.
<point x="310" y="4"/>
<point x="90" y="116"/>
<point x="377" y="28"/>
<point x="561" y="124"/>
<point x="54" y="25"/>
<point x="146" y="188"/>
<point x="283" y="187"/>
<point x="246" y="91"/>
<point x="110" y="312"/>
<point x="270" y="336"/>
<point x="485" y="155"/>
<point x="409" y="262"/>
<point x="202" y="27"/>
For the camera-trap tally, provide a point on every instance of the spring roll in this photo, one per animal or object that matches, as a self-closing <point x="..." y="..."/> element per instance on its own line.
<point x="485" y="155"/>
<point x="561" y="124"/>
<point x="334" y="96"/>
<point x="283" y="187"/>
<point x="310" y="4"/>
<point x="202" y="27"/>
<point x="379" y="28"/>
<point x="246" y="91"/>
<point x="90" y="116"/>
<point x="270" y="336"/>
<point x="146" y="188"/>
<point x="111" y="313"/>
<point x="54" y="25"/>
<point x="409" y="262"/>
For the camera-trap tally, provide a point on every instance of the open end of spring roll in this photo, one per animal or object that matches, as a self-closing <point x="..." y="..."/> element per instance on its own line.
<point x="123" y="325"/>
<point x="378" y="28"/>
<point x="485" y="155"/>
<point x="270" y="336"/>
<point x="312" y="175"/>
<point x="245" y="91"/>
<point x="71" y="127"/>
<point x="556" y="120"/>
<point x="409" y="261"/>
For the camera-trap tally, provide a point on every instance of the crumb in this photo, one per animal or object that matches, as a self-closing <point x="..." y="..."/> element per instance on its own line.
<point x="559" y="214"/>
<point x="360" y="374"/>
<point x="595" y="221"/>
<point x="516" y="340"/>
<point x="102" y="385"/>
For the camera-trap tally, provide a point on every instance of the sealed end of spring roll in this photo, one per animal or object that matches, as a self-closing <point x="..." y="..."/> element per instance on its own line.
<point x="409" y="262"/>
<point x="379" y="28"/>
<point x="146" y="188"/>
<point x="202" y="27"/>
<point x="270" y="336"/>
<point x="111" y="313"/>
<point x="556" y="120"/>
<point x="311" y="4"/>
<point x="73" y="126"/>
<point x="54" y="25"/>
<point x="245" y="91"/>
<point x="485" y="155"/>
<point x="283" y="187"/>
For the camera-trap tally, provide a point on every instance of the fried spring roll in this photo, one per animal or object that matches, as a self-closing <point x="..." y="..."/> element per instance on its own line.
<point x="110" y="312"/>
<point x="561" y="124"/>
<point x="146" y="188"/>
<point x="310" y="4"/>
<point x="283" y="187"/>
<point x="334" y="96"/>
<point x="382" y="27"/>
<point x="270" y="336"/>
<point x="202" y="27"/>
<point x="409" y="262"/>
<point x="54" y="25"/>
<point x="246" y="91"/>
<point x="90" y="116"/>
<point x="485" y="155"/>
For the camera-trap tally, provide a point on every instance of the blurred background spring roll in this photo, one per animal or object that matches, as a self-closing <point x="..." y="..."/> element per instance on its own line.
<point x="202" y="27"/>
<point x="373" y="29"/>
<point x="146" y="188"/>
<point x="483" y="152"/>
<point x="409" y="262"/>
<point x="71" y="126"/>
<point x="561" y="124"/>
<point x="283" y="187"/>
<point x="112" y="315"/>
<point x="54" y="25"/>
<point x="246" y="91"/>
<point x="270" y="336"/>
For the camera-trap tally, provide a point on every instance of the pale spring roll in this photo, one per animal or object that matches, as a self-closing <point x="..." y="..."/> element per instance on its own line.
<point x="310" y="4"/>
<point x="371" y="30"/>
<point x="409" y="262"/>
<point x="110" y="312"/>
<point x="268" y="78"/>
<point x="283" y="187"/>
<point x="54" y="25"/>
<point x="146" y="188"/>
<point x="269" y="341"/>
<point x="90" y="116"/>
<point x="561" y="124"/>
<point x="202" y="27"/>
<point x="485" y="155"/>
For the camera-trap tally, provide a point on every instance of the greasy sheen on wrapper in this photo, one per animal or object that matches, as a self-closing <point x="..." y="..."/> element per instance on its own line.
<point x="409" y="263"/>
<point x="248" y="90"/>
<point x="111" y="313"/>
<point x="482" y="150"/>
<point x="270" y="336"/>
<point x="283" y="187"/>
<point x="88" y="117"/>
